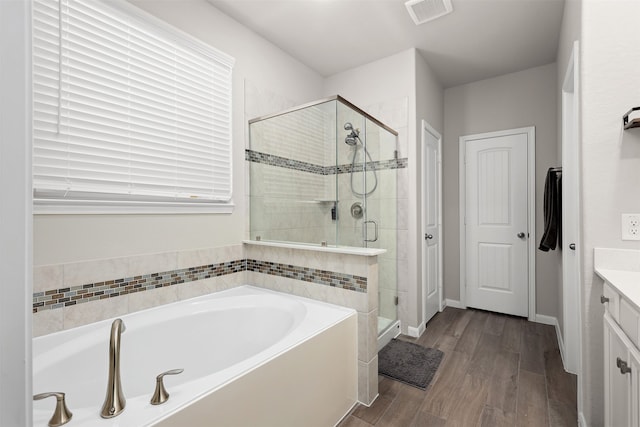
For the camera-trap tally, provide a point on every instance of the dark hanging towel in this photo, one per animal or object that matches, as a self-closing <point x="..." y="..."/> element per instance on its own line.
<point x="552" y="210"/>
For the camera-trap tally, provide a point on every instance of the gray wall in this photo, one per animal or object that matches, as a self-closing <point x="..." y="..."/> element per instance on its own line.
<point x="429" y="107"/>
<point x="70" y="238"/>
<point x="525" y="98"/>
<point x="401" y="79"/>
<point x="610" y="165"/>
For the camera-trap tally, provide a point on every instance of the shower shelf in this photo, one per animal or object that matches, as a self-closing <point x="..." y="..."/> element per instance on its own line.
<point x="634" y="123"/>
<point x="319" y="201"/>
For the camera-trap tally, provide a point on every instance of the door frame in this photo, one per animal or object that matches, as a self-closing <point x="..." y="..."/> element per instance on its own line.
<point x="16" y="228"/>
<point x="426" y="127"/>
<point x="531" y="213"/>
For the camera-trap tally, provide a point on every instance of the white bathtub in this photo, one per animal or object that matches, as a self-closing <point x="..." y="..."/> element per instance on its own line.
<point x="217" y="339"/>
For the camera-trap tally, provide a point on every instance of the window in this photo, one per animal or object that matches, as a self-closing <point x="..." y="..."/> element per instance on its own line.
<point x="127" y="112"/>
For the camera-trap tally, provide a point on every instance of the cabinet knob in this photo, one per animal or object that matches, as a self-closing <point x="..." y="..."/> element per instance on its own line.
<point x="572" y="246"/>
<point x="603" y="299"/>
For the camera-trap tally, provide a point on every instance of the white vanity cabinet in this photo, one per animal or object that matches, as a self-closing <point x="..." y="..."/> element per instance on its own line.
<point x="617" y="386"/>
<point x="621" y="360"/>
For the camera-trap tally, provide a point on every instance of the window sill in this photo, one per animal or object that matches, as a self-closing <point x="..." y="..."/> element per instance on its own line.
<point x="98" y="207"/>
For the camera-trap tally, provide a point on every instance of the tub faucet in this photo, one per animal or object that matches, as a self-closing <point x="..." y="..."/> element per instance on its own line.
<point x="114" y="402"/>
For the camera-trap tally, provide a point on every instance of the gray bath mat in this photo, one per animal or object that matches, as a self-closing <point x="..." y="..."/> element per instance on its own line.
<point x="409" y="363"/>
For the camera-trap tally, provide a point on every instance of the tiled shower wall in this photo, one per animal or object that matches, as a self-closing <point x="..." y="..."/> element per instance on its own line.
<point x="292" y="185"/>
<point x="290" y="195"/>
<point x="72" y="295"/>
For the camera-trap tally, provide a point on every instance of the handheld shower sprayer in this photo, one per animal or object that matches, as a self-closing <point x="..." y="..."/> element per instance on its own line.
<point x="352" y="138"/>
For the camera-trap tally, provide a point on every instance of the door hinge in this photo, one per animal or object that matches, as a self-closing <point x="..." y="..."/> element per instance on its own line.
<point x="395" y="300"/>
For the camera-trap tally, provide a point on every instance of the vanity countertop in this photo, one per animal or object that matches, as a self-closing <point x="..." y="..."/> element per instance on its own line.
<point x="621" y="269"/>
<point x="627" y="283"/>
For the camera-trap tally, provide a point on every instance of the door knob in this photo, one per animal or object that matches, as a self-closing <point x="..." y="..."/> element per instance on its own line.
<point x="428" y="236"/>
<point x="572" y="246"/>
<point x="521" y="235"/>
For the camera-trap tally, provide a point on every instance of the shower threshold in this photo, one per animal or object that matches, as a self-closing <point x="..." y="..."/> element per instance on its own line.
<point x="388" y="329"/>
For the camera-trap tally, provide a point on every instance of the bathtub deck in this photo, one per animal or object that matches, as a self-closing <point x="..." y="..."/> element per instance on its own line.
<point x="497" y="370"/>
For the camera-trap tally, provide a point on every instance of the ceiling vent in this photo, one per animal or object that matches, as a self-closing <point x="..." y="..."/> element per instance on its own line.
<point x="422" y="11"/>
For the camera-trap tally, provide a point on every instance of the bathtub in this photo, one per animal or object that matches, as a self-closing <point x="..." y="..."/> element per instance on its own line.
<point x="251" y="357"/>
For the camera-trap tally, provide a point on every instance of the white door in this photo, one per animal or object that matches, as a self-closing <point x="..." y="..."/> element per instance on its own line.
<point x="431" y="222"/>
<point x="570" y="219"/>
<point x="496" y="223"/>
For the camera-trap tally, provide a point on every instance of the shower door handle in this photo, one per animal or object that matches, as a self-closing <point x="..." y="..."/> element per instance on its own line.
<point x="375" y="228"/>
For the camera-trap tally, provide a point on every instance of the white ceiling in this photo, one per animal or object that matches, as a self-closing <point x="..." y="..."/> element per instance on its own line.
<point x="480" y="39"/>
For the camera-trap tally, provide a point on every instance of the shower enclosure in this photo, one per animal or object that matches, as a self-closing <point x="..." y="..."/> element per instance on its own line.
<point x="325" y="174"/>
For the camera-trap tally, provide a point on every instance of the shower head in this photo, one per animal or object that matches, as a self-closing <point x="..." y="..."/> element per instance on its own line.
<point x="352" y="138"/>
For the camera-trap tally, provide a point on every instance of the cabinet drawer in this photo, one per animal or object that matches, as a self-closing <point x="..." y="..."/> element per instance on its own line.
<point x="629" y="318"/>
<point x="614" y="301"/>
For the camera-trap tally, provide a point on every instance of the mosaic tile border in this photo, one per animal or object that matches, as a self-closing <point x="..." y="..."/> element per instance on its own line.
<point x="64" y="297"/>
<point x="283" y="162"/>
<point x="322" y="277"/>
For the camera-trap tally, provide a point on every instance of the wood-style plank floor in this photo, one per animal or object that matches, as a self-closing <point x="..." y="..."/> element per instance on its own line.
<point x="497" y="370"/>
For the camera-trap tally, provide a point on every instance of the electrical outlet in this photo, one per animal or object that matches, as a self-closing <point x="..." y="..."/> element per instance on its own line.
<point x="630" y="226"/>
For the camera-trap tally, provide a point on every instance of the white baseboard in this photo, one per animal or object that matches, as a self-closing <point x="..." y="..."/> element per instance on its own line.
<point x="581" y="421"/>
<point x="553" y="321"/>
<point x="416" y="332"/>
<point x="546" y="320"/>
<point x="561" y="345"/>
<point x="453" y="303"/>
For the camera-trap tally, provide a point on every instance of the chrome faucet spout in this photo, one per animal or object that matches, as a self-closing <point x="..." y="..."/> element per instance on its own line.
<point x="114" y="402"/>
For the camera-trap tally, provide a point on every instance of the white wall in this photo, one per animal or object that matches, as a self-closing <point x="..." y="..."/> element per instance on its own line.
<point x="15" y="213"/>
<point x="610" y="163"/>
<point x="69" y="238"/>
<point x="403" y="78"/>
<point x="429" y="107"/>
<point x="525" y="98"/>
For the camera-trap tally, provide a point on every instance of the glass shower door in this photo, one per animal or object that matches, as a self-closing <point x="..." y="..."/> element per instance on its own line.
<point x="381" y="217"/>
<point x="350" y="131"/>
<point x="367" y="199"/>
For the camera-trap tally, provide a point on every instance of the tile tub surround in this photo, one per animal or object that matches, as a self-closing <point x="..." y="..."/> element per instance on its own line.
<point x="346" y="279"/>
<point x="65" y="297"/>
<point x="363" y="265"/>
<point x="127" y="284"/>
<point x="70" y="295"/>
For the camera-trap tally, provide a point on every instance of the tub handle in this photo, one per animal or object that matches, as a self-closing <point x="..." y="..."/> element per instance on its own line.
<point x="61" y="415"/>
<point x="161" y="395"/>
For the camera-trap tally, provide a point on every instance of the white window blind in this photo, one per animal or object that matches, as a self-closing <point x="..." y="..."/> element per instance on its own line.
<point x="126" y="109"/>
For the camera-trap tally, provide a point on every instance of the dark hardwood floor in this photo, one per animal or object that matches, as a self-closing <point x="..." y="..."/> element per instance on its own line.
<point x="497" y="370"/>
